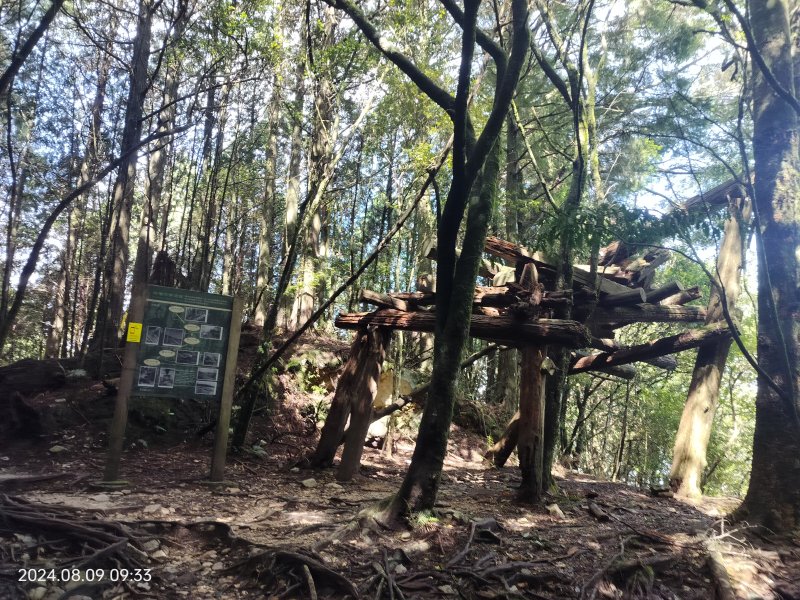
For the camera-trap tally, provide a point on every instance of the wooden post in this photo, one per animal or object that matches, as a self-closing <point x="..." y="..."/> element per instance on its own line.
<point x="361" y="367"/>
<point x="119" y="422"/>
<point x="530" y="444"/>
<point x="226" y="400"/>
<point x="362" y="395"/>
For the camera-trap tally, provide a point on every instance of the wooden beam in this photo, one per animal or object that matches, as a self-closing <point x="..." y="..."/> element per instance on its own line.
<point x="666" y="362"/>
<point x="668" y="345"/>
<point x="647" y="313"/>
<point x="622" y="371"/>
<point x="530" y="443"/>
<point x="514" y="254"/>
<point x="658" y="294"/>
<point x="383" y="300"/>
<point x="682" y="298"/>
<point x="631" y="296"/>
<point x="504" y="330"/>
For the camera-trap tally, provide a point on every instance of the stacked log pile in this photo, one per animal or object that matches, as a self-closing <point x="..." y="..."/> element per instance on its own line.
<point x="509" y="313"/>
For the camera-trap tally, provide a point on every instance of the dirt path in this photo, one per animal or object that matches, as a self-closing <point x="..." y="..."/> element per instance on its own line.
<point x="273" y="530"/>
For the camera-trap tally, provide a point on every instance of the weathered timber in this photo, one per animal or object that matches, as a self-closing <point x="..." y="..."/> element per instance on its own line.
<point x="503" y="448"/>
<point x="358" y="380"/>
<point x="383" y="300"/>
<point x="620" y="316"/>
<point x="665" y="291"/>
<point x="666" y="362"/>
<point x="622" y="371"/>
<point x="504" y="330"/>
<point x="640" y="352"/>
<point x="632" y="296"/>
<point x="530" y="440"/>
<point x="416" y="298"/>
<point x="361" y="401"/>
<point x="682" y="298"/>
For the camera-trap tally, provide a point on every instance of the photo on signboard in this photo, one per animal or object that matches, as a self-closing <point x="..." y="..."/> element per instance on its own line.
<point x="210" y="332"/>
<point x="198" y="315"/>
<point x="147" y="376"/>
<point x="153" y="335"/>
<point x="205" y="388"/>
<point x="166" y="377"/>
<point x="211" y="359"/>
<point x="207" y="374"/>
<point x="173" y="337"/>
<point x="186" y="357"/>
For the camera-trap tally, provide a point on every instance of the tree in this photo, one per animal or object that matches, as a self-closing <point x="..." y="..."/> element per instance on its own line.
<point x="773" y="497"/>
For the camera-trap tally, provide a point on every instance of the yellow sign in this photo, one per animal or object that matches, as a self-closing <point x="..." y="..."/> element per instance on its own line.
<point x="134" y="332"/>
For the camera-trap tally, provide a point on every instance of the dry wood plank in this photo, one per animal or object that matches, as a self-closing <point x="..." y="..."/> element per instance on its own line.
<point x="383" y="300"/>
<point x="620" y="316"/>
<point x="505" y="330"/>
<point x="669" y="345"/>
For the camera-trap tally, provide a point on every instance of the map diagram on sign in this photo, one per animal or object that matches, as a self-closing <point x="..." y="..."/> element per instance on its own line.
<point x="183" y="345"/>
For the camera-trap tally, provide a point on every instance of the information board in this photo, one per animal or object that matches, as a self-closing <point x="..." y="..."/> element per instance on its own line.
<point x="183" y="344"/>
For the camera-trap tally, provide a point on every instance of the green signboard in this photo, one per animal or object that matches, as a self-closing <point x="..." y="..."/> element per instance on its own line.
<point x="183" y="344"/>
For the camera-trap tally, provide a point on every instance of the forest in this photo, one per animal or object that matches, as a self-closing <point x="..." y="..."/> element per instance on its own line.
<point x="491" y="299"/>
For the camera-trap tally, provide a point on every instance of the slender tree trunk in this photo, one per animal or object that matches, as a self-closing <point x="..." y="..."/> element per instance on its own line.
<point x="773" y="497"/>
<point x="508" y="373"/>
<point x="292" y="215"/>
<point x="116" y="268"/>
<point x="694" y="431"/>
<point x="267" y="224"/>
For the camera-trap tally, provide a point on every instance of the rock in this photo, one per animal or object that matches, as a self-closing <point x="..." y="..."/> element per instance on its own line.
<point x="217" y="566"/>
<point x="400" y="570"/>
<point x="151" y="508"/>
<point x="151" y="546"/>
<point x="555" y="511"/>
<point x="37" y="593"/>
<point x="56" y="449"/>
<point x="406" y="535"/>
<point x="54" y="593"/>
<point x="158" y="555"/>
<point x="100" y="497"/>
<point x="60" y="401"/>
<point x="334" y="486"/>
<point x="233" y="490"/>
<point x="294" y="470"/>
<point x="309" y="483"/>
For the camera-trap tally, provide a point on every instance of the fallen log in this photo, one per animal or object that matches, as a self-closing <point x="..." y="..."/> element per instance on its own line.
<point x="668" y="345"/>
<point x="505" y="330"/>
<point x="666" y="362"/>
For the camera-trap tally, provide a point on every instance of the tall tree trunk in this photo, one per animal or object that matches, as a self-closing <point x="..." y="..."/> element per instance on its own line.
<point x="267" y="213"/>
<point x="323" y="139"/>
<point x="773" y="497"/>
<point x="116" y="267"/>
<point x="292" y="214"/>
<point x="508" y="374"/>
<point x="694" y="431"/>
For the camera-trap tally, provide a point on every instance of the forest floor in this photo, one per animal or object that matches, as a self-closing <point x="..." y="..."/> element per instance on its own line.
<point x="276" y="531"/>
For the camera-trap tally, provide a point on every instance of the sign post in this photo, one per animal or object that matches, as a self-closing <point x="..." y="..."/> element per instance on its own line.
<point x="228" y="385"/>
